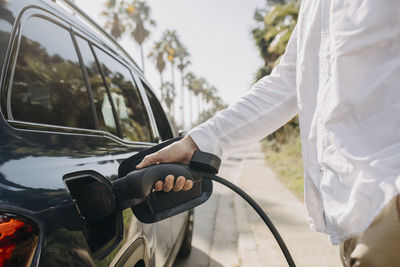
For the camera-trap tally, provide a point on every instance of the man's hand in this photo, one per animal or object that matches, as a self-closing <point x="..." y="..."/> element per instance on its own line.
<point x="181" y="152"/>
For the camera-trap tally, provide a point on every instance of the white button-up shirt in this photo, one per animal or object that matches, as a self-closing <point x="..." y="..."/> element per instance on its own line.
<point x="341" y="75"/>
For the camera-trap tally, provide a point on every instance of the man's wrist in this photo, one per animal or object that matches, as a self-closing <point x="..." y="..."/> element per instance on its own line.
<point x="189" y="141"/>
<point x="190" y="146"/>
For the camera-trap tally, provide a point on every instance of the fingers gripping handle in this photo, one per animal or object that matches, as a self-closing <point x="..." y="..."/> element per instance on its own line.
<point x="136" y="186"/>
<point x="101" y="198"/>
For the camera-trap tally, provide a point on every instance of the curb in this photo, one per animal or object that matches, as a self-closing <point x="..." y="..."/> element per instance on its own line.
<point x="247" y="246"/>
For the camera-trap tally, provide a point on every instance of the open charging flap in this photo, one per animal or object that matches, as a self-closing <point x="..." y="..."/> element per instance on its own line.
<point x="157" y="206"/>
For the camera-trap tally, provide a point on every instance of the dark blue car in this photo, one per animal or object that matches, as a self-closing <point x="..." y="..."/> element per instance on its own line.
<point x="73" y="105"/>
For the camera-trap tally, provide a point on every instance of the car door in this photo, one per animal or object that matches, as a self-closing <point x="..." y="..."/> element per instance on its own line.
<point x="106" y="103"/>
<point x="50" y="132"/>
<point x="53" y="131"/>
<point x="131" y="133"/>
<point x="165" y="132"/>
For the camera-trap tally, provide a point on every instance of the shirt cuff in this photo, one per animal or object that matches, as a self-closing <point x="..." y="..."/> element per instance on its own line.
<point x="205" y="140"/>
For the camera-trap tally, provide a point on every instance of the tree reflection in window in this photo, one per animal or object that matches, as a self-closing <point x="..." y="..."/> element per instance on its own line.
<point x="104" y="111"/>
<point x="130" y="109"/>
<point x="164" y="128"/>
<point x="48" y="85"/>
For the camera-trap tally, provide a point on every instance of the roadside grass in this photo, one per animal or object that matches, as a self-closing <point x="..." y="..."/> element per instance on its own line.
<point x="286" y="160"/>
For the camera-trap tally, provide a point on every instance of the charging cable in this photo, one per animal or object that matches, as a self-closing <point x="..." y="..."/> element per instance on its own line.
<point x="260" y="213"/>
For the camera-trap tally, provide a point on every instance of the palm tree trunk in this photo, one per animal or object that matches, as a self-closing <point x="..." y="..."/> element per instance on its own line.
<point x="142" y="55"/>
<point x="182" y="100"/>
<point x="198" y="106"/>
<point x="161" y="83"/>
<point x="173" y="74"/>
<point x="191" y="109"/>
<point x="173" y="84"/>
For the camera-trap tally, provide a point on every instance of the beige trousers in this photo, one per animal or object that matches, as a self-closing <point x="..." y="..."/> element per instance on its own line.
<point x="379" y="245"/>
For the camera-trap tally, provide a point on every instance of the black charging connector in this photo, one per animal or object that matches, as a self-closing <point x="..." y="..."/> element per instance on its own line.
<point x="203" y="166"/>
<point x="134" y="189"/>
<point x="205" y="162"/>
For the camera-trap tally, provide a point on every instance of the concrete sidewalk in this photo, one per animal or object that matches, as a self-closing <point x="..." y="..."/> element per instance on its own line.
<point x="256" y="245"/>
<point x="228" y="232"/>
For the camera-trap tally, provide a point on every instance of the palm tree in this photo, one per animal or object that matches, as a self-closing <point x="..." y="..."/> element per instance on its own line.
<point x="114" y="23"/>
<point x="209" y="94"/>
<point x="196" y="91"/>
<point x="198" y="86"/>
<point x="168" y="96"/>
<point x="169" y="44"/>
<point x="190" y="78"/>
<point x="139" y="13"/>
<point x="218" y="104"/>
<point x="203" y="84"/>
<point x="158" y="55"/>
<point x="183" y="56"/>
<point x="275" y="25"/>
<point x="171" y="41"/>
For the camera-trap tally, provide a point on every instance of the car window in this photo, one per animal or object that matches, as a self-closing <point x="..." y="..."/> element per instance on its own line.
<point x="105" y="116"/>
<point x="131" y="113"/>
<point x="163" y="126"/>
<point x="48" y="85"/>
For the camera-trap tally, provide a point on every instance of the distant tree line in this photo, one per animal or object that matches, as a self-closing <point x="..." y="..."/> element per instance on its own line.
<point x="133" y="18"/>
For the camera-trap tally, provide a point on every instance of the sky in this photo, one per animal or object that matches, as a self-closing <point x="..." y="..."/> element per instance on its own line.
<point x="217" y="34"/>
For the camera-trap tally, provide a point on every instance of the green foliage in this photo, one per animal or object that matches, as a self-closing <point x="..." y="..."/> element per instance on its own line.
<point x="286" y="160"/>
<point x="43" y="81"/>
<point x="275" y="25"/>
<point x="276" y="22"/>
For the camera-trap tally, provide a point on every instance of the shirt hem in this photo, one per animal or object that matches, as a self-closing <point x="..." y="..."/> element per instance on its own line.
<point x="337" y="239"/>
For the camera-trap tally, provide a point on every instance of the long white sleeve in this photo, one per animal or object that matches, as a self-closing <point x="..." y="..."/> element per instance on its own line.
<point x="341" y="73"/>
<point x="267" y="106"/>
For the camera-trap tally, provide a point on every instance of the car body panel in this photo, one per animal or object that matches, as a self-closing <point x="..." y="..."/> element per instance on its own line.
<point x="35" y="158"/>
